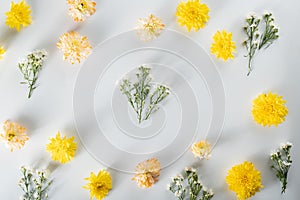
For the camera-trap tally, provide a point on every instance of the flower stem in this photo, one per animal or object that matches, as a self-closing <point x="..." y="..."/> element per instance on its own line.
<point x="140" y="95"/>
<point x="249" y="65"/>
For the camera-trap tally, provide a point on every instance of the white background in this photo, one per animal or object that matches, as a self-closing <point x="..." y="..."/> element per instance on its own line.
<point x="50" y="108"/>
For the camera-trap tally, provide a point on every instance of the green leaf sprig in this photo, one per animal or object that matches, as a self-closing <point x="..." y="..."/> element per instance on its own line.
<point x="271" y="32"/>
<point x="281" y="163"/>
<point x="255" y="40"/>
<point x="31" y="67"/>
<point x="34" y="184"/>
<point x="142" y="95"/>
<point x="189" y="187"/>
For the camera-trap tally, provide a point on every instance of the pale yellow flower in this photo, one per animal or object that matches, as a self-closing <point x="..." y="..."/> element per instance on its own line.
<point x="18" y="16"/>
<point x="149" y="28"/>
<point x="14" y="135"/>
<point x="244" y="180"/>
<point x="201" y="149"/>
<point x="74" y="46"/>
<point x="2" y="52"/>
<point x="147" y="173"/>
<point x="99" y="185"/>
<point x="81" y="9"/>
<point x="223" y="46"/>
<point x="62" y="149"/>
<point x="192" y="14"/>
<point x="269" y="109"/>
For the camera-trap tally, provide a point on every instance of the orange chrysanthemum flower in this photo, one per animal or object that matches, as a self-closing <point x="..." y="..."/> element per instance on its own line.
<point x="147" y="173"/>
<point x="201" y="149"/>
<point x="81" y="9"/>
<point x="14" y="135"/>
<point x="74" y="46"/>
<point x="149" y="28"/>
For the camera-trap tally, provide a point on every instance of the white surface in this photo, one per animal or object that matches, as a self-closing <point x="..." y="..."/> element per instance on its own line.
<point x="50" y="108"/>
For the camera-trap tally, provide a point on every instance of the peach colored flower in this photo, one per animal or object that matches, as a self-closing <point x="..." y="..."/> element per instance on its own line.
<point x="14" y="135"/>
<point x="201" y="149"/>
<point x="81" y="9"/>
<point x="74" y="46"/>
<point x="149" y="28"/>
<point x="147" y="173"/>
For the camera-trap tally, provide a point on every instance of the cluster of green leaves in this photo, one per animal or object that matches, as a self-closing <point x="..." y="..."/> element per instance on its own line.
<point x="34" y="184"/>
<point x="30" y="68"/>
<point x="281" y="163"/>
<point x="142" y="95"/>
<point x="190" y="184"/>
<point x="255" y="40"/>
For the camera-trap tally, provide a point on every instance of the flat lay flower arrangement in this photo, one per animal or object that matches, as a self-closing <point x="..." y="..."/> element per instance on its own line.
<point x="144" y="96"/>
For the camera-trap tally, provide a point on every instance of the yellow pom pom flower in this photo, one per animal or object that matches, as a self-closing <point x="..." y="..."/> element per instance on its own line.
<point x="269" y="109"/>
<point x="244" y="180"/>
<point x="18" y="16"/>
<point x="99" y="185"/>
<point x="2" y="52"/>
<point x="192" y="14"/>
<point x="149" y="28"/>
<point x="74" y="46"/>
<point x="81" y="9"/>
<point x="223" y="46"/>
<point x="14" y="135"/>
<point x="201" y="149"/>
<point x="147" y="173"/>
<point x="62" y="149"/>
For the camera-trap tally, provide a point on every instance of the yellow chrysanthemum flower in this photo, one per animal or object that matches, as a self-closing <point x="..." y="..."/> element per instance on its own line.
<point x="19" y="15"/>
<point x="74" y="46"/>
<point x="192" y="14"/>
<point x="81" y="9"/>
<point x="14" y="135"/>
<point x="99" y="185"/>
<point x="2" y="52"/>
<point x="201" y="149"/>
<point x="223" y="46"/>
<point x="149" y="28"/>
<point x="269" y="109"/>
<point x="147" y="173"/>
<point x="62" y="149"/>
<point x="244" y="180"/>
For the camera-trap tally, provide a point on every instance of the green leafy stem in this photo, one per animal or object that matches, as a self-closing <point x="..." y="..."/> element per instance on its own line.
<point x="34" y="185"/>
<point x="30" y="68"/>
<point x="281" y="163"/>
<point x="189" y="187"/>
<point x="143" y="97"/>
<point x="255" y="40"/>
